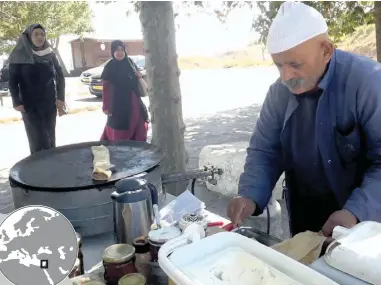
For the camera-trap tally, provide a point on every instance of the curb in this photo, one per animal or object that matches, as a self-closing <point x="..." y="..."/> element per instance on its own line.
<point x="71" y="112"/>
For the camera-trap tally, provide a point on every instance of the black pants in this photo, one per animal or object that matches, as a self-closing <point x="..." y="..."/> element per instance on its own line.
<point x="40" y="126"/>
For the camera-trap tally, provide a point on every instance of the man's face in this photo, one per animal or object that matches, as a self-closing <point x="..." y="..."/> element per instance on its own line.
<point x="301" y="67"/>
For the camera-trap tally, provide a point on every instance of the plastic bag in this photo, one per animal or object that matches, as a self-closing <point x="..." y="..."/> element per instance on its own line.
<point x="304" y="247"/>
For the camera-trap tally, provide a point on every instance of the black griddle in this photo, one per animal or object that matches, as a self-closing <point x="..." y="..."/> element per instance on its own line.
<point x="69" y="168"/>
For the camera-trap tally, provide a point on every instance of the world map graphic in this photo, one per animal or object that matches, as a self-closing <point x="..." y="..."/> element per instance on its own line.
<point x="37" y="244"/>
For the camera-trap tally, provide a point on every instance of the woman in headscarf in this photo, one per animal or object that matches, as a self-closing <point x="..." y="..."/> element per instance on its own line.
<point x="37" y="87"/>
<point x="127" y="115"/>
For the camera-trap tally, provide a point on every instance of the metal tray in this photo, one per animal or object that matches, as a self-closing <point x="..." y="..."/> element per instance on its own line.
<point x="259" y="236"/>
<point x="69" y="167"/>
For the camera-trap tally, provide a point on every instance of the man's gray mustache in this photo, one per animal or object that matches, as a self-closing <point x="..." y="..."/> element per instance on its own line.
<point x="293" y="82"/>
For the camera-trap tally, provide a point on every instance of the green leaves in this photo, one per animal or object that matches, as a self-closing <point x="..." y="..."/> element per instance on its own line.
<point x="58" y="17"/>
<point x="342" y="17"/>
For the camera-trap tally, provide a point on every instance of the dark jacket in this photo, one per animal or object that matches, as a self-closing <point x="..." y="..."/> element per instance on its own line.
<point x="36" y="85"/>
<point x="348" y="132"/>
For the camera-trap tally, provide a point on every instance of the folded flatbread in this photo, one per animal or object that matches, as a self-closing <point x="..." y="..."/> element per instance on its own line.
<point x="101" y="163"/>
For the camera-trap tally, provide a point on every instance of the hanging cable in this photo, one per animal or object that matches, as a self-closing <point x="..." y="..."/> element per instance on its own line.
<point x="268" y="220"/>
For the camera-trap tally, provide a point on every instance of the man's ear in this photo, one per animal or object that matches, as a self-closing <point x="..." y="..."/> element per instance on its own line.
<point x="328" y="49"/>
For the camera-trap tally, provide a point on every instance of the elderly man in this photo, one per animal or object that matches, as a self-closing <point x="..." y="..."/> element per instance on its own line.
<point x="321" y="125"/>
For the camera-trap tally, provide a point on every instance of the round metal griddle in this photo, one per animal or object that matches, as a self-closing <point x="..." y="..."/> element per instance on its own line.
<point x="69" y="168"/>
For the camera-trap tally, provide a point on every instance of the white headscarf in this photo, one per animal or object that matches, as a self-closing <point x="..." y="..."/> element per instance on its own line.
<point x="294" y="24"/>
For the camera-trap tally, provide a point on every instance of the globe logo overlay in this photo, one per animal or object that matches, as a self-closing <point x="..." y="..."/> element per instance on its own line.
<point x="37" y="244"/>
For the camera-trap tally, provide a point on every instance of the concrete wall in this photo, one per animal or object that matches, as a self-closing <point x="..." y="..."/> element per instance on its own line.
<point x="231" y="159"/>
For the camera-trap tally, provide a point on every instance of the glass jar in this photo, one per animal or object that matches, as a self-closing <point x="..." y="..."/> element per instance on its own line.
<point x="157" y="238"/>
<point x="118" y="260"/>
<point x="133" y="279"/>
<point x="80" y="253"/>
<point x="142" y="255"/>
<point x="76" y="271"/>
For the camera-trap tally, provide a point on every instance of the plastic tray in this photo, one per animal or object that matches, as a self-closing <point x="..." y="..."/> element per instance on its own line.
<point x="220" y="259"/>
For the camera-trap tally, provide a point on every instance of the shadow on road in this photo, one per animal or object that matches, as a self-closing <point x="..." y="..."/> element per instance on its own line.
<point x="6" y="203"/>
<point x="220" y="128"/>
<point x="90" y="100"/>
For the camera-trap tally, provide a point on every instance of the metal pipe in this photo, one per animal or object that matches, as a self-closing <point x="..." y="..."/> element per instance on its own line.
<point x="190" y="175"/>
<point x="192" y="187"/>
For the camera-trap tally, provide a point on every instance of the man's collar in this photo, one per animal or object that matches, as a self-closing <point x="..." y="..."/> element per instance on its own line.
<point x="324" y="82"/>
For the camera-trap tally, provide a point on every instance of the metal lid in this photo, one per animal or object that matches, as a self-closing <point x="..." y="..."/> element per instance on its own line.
<point x="118" y="253"/>
<point x="93" y="282"/>
<point x="132" y="279"/>
<point x="188" y="219"/>
<point x="130" y="185"/>
<point x="164" y="234"/>
<point x="134" y="190"/>
<point x="40" y="171"/>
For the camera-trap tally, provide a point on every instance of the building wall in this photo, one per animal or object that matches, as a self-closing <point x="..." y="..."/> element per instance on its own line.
<point x="76" y="51"/>
<point x="135" y="48"/>
<point x="95" y="56"/>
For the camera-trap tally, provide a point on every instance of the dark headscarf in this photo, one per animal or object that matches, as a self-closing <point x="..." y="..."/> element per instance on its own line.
<point x="123" y="80"/>
<point x="119" y="72"/>
<point x="26" y="53"/>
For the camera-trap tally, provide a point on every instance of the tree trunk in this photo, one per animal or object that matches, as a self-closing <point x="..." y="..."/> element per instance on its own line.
<point x="377" y="13"/>
<point x="56" y="42"/>
<point x="168" y="128"/>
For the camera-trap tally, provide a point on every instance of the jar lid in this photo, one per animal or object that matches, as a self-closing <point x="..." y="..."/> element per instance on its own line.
<point x="132" y="279"/>
<point x="164" y="234"/>
<point x="117" y="253"/>
<point x="188" y="219"/>
<point x="93" y="282"/>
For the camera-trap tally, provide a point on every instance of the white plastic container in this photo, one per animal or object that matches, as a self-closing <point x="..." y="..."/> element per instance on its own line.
<point x="357" y="251"/>
<point x="336" y="275"/>
<point x="228" y="258"/>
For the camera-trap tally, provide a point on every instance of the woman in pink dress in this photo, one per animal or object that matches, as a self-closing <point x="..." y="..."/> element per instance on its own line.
<point x="127" y="116"/>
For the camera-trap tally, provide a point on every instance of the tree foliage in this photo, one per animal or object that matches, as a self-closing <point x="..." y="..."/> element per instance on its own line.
<point x="58" y="17"/>
<point x="342" y="17"/>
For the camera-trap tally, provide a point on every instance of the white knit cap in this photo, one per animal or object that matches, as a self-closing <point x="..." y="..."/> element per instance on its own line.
<point x="294" y="24"/>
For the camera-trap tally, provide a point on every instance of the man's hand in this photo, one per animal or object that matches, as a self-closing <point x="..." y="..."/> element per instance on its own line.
<point x="239" y="209"/>
<point x="105" y="112"/>
<point x="20" y="108"/>
<point x="342" y="218"/>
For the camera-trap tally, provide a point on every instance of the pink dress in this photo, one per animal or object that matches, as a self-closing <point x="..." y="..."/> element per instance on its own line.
<point x="138" y="126"/>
